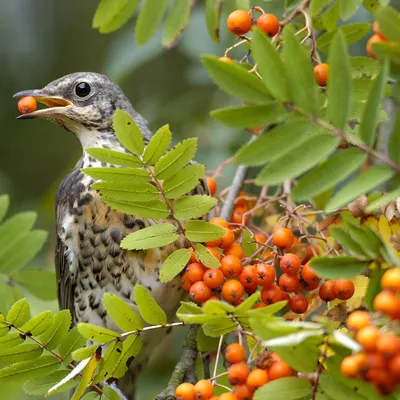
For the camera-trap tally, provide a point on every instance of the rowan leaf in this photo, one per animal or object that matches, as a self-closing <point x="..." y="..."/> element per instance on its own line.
<point x="204" y="342"/>
<point x="150" y="237"/>
<point x="122" y="175"/>
<point x="97" y="333"/>
<point x="213" y="14"/>
<point x="150" y="311"/>
<point x="201" y="231"/>
<point x="19" y="313"/>
<point x="151" y="209"/>
<point x="128" y="132"/>
<point x="22" y="352"/>
<point x="114" y="157"/>
<point x="121" y="18"/>
<point x="174" y="264"/>
<point x="84" y="352"/>
<point x="158" y="145"/>
<point x="345" y="267"/>
<point x="193" y="206"/>
<point x="130" y="348"/>
<point x="383" y="201"/>
<point x="38" y="324"/>
<point x="348" y="8"/>
<point x="111" y="358"/>
<point x="123" y="192"/>
<point x="11" y="340"/>
<point x="183" y="181"/>
<point x="290" y="388"/>
<point x="204" y="256"/>
<point x="72" y="341"/>
<point x="106" y="10"/>
<point x="87" y="376"/>
<point x="39" y="282"/>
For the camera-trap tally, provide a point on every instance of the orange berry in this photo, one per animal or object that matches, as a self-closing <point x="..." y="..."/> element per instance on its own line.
<point x="394" y="366"/>
<point x="239" y="22"/>
<point x="260" y="239"/>
<point x="213" y="278"/>
<point x="388" y="344"/>
<point x="269" y="24"/>
<point x="290" y="264"/>
<point x="248" y="277"/>
<point x="235" y="353"/>
<point x="326" y="292"/>
<point x="271" y="294"/>
<point x="214" y="252"/>
<point x="232" y="291"/>
<point x="226" y="59"/>
<point x="219" y="221"/>
<point x="203" y="389"/>
<point x="200" y="292"/>
<point x="227" y="396"/>
<point x="235" y="250"/>
<point x="231" y="266"/>
<point x="298" y="304"/>
<point x="186" y="283"/>
<point x="260" y="305"/>
<point x="27" y="104"/>
<point x="192" y="256"/>
<point x="195" y="272"/>
<point x="212" y="185"/>
<point x="368" y="337"/>
<point x="377" y="38"/>
<point x="321" y="73"/>
<point x="243" y="392"/>
<point x="238" y="373"/>
<point x="257" y="378"/>
<point x="289" y="284"/>
<point x="375" y="27"/>
<point x="265" y="275"/>
<point x="237" y="216"/>
<point x="371" y="360"/>
<point x="241" y="201"/>
<point x="283" y="238"/>
<point x="309" y="277"/>
<point x="214" y="398"/>
<point x="185" y="391"/>
<point x="358" y="319"/>
<point x="343" y="289"/>
<point x="225" y="241"/>
<point x="391" y="279"/>
<point x="279" y="369"/>
<point x="350" y="366"/>
<point x="388" y="303"/>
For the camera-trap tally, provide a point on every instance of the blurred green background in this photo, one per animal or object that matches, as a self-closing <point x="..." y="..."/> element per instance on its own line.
<point x="43" y="40"/>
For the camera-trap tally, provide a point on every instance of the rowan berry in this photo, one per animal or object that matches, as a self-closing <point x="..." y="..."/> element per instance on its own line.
<point x="388" y="303"/>
<point x="248" y="277"/>
<point x="388" y="344"/>
<point x="279" y="369"/>
<point x="213" y="278"/>
<point x="242" y="392"/>
<point x="227" y="396"/>
<point x="219" y="221"/>
<point x="214" y="252"/>
<point x="231" y="266"/>
<point x="232" y="291"/>
<point x="326" y="292"/>
<point x="350" y="366"/>
<point x="225" y="241"/>
<point x="200" y="292"/>
<point x="321" y="73"/>
<point x="259" y="305"/>
<point x="289" y="284"/>
<point x="375" y="27"/>
<point x="271" y="294"/>
<point x="368" y="337"/>
<point x="374" y="39"/>
<point x="185" y="391"/>
<point x="394" y="366"/>
<point x="186" y="283"/>
<point x="237" y="215"/>
<point x="192" y="255"/>
<point x="235" y="353"/>
<point x="238" y="373"/>
<point x="391" y="279"/>
<point x="212" y="185"/>
<point x="235" y="250"/>
<point x="239" y="22"/>
<point x="309" y="277"/>
<point x="290" y="264"/>
<point x="343" y="289"/>
<point x="257" y="378"/>
<point x="241" y="201"/>
<point x="195" y="272"/>
<point x="298" y="304"/>
<point x="269" y="24"/>
<point x="283" y="238"/>
<point x="265" y="275"/>
<point x="260" y="239"/>
<point x="27" y="104"/>
<point x="357" y="320"/>
<point x="226" y="59"/>
<point x="203" y="389"/>
<point x="371" y="360"/>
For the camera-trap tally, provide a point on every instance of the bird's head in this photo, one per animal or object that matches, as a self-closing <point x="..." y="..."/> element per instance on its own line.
<point x="83" y="103"/>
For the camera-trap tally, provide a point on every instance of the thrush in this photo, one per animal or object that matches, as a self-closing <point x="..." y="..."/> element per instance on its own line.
<point x="89" y="260"/>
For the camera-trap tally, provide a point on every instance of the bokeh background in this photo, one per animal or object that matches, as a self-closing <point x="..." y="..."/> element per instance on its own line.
<point x="43" y="40"/>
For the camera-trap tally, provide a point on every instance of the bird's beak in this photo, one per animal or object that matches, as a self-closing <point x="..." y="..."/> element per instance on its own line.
<point x="57" y="105"/>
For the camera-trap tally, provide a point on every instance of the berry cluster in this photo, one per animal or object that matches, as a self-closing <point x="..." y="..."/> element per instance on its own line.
<point x="379" y="361"/>
<point x="245" y="376"/>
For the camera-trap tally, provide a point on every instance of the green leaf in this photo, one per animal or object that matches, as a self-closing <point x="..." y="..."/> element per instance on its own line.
<point x="150" y="237"/>
<point x="19" y="313"/>
<point x="131" y="348"/>
<point x="348" y="8"/>
<point x="4" y="329"/>
<point x="193" y="206"/>
<point x="191" y="313"/>
<point x="352" y="33"/>
<point x="375" y="176"/>
<point x="176" y="22"/>
<point x="123" y="175"/>
<point x="204" y="342"/>
<point x="247" y="304"/>
<point x="128" y="132"/>
<point x="174" y="264"/>
<point x="346" y="267"/>
<point x="370" y="116"/>
<point x="200" y="231"/>
<point x="23" y="352"/>
<point x="250" y="116"/>
<point x="248" y="244"/>
<point x="269" y="65"/>
<point x="388" y="19"/>
<point x="149" y="20"/>
<point x="86" y="375"/>
<point x="331" y="18"/>
<point x="394" y="140"/>
<point x="121" y="313"/>
<point x="304" y="157"/>
<point x="336" y="389"/>
<point x="152" y="209"/>
<point x="175" y="159"/>
<point x="121" y="18"/>
<point x="150" y="311"/>
<point x="213" y="13"/>
<point x="59" y="329"/>
<point x="339" y="87"/>
<point x="11" y="340"/>
<point x="204" y="256"/>
<point x="114" y="157"/>
<point x="383" y="201"/>
<point x="96" y="333"/>
<point x="122" y="192"/>
<point x="72" y="341"/>
<point x="220" y="327"/>
<point x="319" y="7"/>
<point x="275" y="142"/>
<point x="38" y="324"/>
<point x="111" y="357"/>
<point x="4" y="204"/>
<point x="110" y="394"/>
<point x="20" y="372"/>
<point x="236" y="80"/>
<point x="302" y="85"/>
<point x="343" y="237"/>
<point x="39" y="282"/>
<point x="363" y="67"/>
<point x="183" y="181"/>
<point x="106" y="10"/>
<point x="328" y="174"/>
<point x="158" y="145"/>
<point x="84" y="352"/>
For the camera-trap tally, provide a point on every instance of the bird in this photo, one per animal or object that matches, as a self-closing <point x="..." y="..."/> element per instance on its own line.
<point x="88" y="258"/>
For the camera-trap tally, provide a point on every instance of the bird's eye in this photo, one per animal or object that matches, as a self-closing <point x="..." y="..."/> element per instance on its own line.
<point x="82" y="89"/>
